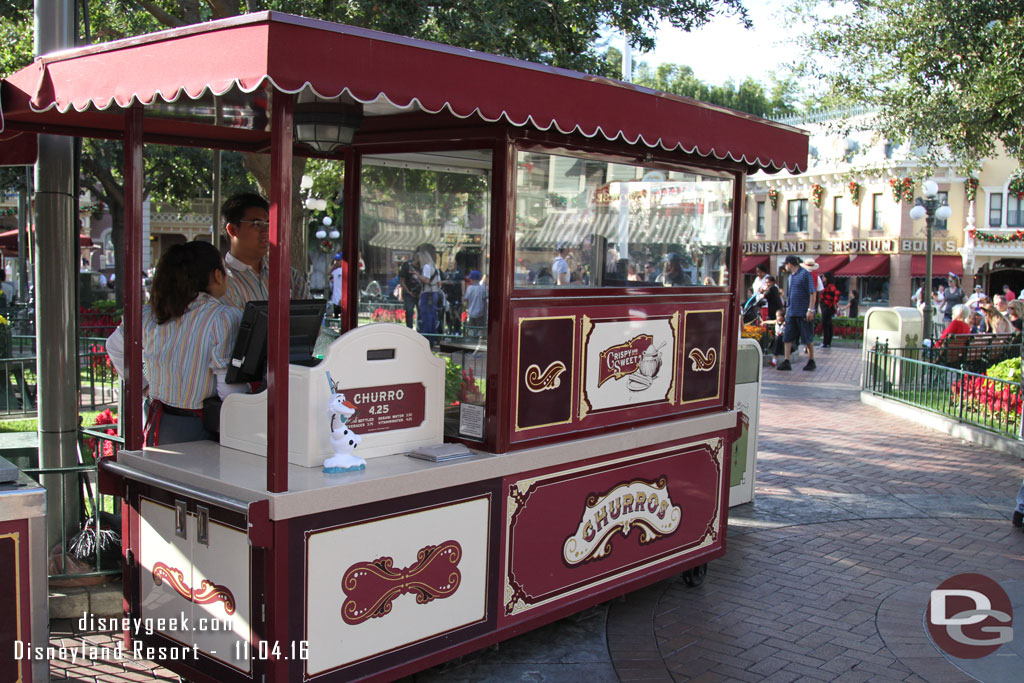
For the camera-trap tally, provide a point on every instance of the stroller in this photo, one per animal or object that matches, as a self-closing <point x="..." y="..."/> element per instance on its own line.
<point x="751" y="311"/>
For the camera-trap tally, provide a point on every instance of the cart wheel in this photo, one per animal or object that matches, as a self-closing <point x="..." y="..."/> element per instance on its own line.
<point x="695" y="577"/>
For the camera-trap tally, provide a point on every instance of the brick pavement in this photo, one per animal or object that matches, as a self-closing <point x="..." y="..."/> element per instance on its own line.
<point x="858" y="515"/>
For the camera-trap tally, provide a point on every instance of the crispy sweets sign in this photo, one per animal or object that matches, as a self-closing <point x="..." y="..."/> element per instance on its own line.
<point x="627" y="362"/>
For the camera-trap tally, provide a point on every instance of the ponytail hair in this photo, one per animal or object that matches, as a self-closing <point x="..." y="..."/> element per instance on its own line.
<point x="181" y="274"/>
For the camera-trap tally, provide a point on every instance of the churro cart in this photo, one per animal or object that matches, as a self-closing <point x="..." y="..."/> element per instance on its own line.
<point x="592" y="395"/>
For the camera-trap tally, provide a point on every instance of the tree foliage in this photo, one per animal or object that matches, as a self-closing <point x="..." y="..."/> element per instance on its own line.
<point x="944" y="75"/>
<point x="16" y="40"/>
<point x="563" y="33"/>
<point x="749" y="96"/>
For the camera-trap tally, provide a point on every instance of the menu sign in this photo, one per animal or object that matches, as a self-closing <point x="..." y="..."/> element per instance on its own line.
<point x="386" y="408"/>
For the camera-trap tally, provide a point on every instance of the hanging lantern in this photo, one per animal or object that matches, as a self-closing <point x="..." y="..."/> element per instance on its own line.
<point x="326" y="124"/>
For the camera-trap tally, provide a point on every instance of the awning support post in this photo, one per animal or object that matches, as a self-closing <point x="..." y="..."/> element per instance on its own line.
<point x="280" y="290"/>
<point x="133" y="176"/>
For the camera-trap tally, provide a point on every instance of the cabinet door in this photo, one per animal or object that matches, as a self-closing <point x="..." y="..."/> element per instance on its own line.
<point x="222" y="571"/>
<point x="165" y="570"/>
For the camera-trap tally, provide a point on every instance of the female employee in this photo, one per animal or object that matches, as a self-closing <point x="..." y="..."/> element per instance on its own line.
<point x="187" y="338"/>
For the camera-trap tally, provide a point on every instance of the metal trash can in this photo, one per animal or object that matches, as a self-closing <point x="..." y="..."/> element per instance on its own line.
<point x="748" y="400"/>
<point x="24" y="617"/>
<point x="901" y="328"/>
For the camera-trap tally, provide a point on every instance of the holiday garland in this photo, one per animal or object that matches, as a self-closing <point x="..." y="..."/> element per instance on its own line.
<point x="994" y="238"/>
<point x="817" y="191"/>
<point x="854" y="188"/>
<point x="773" y="197"/>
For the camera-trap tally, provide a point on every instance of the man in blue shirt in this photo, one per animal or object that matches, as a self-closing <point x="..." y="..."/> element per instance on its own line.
<point x="799" y="312"/>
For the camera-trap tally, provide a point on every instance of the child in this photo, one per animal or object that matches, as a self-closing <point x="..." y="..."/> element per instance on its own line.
<point x="778" y="347"/>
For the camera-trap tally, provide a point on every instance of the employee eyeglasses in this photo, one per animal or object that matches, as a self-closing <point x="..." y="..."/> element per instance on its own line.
<point x="257" y="223"/>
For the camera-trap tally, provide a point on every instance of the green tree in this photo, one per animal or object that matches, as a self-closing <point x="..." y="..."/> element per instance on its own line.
<point x="942" y="74"/>
<point x="563" y="33"/>
<point x="749" y="96"/>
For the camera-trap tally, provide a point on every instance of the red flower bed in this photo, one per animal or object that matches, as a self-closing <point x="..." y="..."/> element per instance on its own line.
<point x="381" y="315"/>
<point x="104" y="418"/>
<point x="980" y="393"/>
<point x="96" y="323"/>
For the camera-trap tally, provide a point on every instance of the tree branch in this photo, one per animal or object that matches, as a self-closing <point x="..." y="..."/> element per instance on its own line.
<point x="165" y="18"/>
<point x="223" y="8"/>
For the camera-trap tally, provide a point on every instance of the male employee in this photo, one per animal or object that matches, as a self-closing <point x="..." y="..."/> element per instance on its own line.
<point x="247" y="221"/>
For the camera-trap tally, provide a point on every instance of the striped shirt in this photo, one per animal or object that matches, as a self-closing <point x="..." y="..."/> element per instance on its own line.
<point x="182" y="358"/>
<point x="182" y="355"/>
<point x="246" y="284"/>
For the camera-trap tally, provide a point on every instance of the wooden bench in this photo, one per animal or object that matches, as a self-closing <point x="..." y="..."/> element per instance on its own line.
<point x="976" y="352"/>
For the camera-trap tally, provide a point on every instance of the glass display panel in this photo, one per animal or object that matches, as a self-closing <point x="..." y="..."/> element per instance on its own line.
<point x="424" y="242"/>
<point x="587" y="223"/>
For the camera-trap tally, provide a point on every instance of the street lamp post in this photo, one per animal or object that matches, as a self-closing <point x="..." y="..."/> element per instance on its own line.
<point x="929" y="209"/>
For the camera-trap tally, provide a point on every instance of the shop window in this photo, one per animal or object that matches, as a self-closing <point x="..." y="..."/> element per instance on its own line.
<point x="591" y="223"/>
<point x="429" y="215"/>
<point x="874" y="290"/>
<point x="876" y="212"/>
<point x="1014" y="212"/>
<point x="797" y="214"/>
<point x="943" y="198"/>
<point x="995" y="210"/>
<point x="837" y="214"/>
<point x="760" y="218"/>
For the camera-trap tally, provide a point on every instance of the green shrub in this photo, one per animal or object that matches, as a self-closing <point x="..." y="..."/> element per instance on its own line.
<point x="1009" y="370"/>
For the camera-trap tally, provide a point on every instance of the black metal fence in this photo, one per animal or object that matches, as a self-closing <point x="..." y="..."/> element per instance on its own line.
<point x="18" y="393"/>
<point x="90" y="540"/>
<point x="906" y="375"/>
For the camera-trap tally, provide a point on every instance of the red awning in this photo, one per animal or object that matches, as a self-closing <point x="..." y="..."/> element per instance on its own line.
<point x="18" y="149"/>
<point x="828" y="264"/>
<point x="9" y="241"/>
<point x="177" y="70"/>
<point x="751" y="262"/>
<point x="871" y="265"/>
<point x="942" y="265"/>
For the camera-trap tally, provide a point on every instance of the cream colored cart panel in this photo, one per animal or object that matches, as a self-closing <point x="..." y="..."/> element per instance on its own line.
<point x="165" y="560"/>
<point x="193" y="592"/>
<point x="221" y="579"/>
<point x="382" y="584"/>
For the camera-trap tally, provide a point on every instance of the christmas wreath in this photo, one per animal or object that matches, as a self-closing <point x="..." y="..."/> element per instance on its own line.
<point x="971" y="188"/>
<point x="817" y="192"/>
<point x="854" y="189"/>
<point x="902" y="189"/>
<point x="1016" y="185"/>
<point x="773" y="197"/>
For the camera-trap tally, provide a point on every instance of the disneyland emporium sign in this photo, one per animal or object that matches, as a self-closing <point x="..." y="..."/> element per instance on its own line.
<point x="871" y="246"/>
<point x="643" y="505"/>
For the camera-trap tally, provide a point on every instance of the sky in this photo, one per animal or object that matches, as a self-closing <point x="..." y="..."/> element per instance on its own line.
<point x="751" y="52"/>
